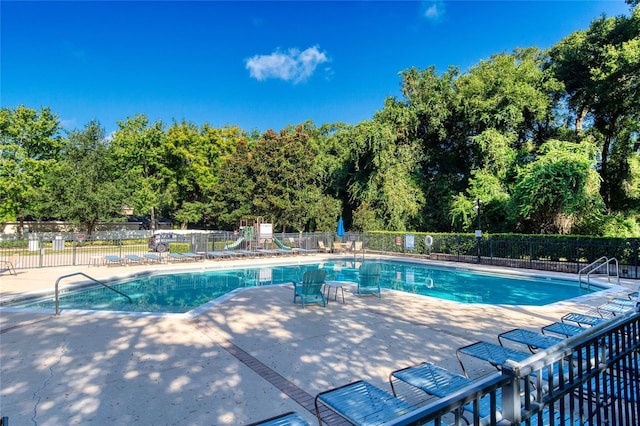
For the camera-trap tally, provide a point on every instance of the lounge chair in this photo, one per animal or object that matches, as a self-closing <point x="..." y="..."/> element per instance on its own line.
<point x="133" y="258"/>
<point x="192" y="256"/>
<point x="582" y="319"/>
<point x="113" y="260"/>
<point x="217" y="255"/>
<point x="322" y="247"/>
<point x="563" y="329"/>
<point x="287" y="419"/>
<point x="152" y="257"/>
<point x="532" y="339"/>
<point x="337" y="247"/>
<point x="176" y="257"/>
<point x="310" y="289"/>
<point x="617" y="306"/>
<point x="495" y="355"/>
<point x="440" y="382"/>
<point x="369" y="279"/>
<point x="10" y="265"/>
<point x="361" y="403"/>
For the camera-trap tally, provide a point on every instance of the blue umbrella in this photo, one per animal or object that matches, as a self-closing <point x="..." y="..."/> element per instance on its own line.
<point x="340" y="230"/>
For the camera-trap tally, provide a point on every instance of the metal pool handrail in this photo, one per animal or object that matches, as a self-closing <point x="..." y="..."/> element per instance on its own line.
<point x="92" y="279"/>
<point x="593" y="268"/>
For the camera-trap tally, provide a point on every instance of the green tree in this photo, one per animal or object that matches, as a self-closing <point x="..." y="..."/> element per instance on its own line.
<point x="559" y="189"/>
<point x="140" y="152"/>
<point x="85" y="187"/>
<point x="600" y="68"/>
<point x="30" y="145"/>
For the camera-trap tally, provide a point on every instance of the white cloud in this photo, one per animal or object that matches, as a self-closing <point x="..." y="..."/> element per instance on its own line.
<point x="433" y="10"/>
<point x="294" y="65"/>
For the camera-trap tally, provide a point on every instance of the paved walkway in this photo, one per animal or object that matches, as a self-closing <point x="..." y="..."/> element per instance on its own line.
<point x="251" y="357"/>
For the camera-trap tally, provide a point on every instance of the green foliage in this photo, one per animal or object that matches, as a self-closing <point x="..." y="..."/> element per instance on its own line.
<point x="558" y="188"/>
<point x="85" y="187"/>
<point x="179" y="247"/>
<point x="29" y="148"/>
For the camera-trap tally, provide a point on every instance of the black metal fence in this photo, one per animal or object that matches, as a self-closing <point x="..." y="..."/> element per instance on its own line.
<point x="530" y="252"/>
<point x="590" y="379"/>
<point x="41" y="250"/>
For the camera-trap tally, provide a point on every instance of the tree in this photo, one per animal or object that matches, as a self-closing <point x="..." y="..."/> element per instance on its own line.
<point x="600" y="68"/>
<point x="30" y="144"/>
<point x="558" y="189"/>
<point x="85" y="187"/>
<point x="140" y="153"/>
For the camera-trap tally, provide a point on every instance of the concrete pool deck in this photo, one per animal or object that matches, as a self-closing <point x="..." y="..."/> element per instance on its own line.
<point x="253" y="356"/>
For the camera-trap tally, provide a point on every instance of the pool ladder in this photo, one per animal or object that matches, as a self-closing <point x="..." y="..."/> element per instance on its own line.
<point x="595" y="266"/>
<point x="92" y="279"/>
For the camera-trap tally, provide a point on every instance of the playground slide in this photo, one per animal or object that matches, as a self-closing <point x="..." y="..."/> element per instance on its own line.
<point x="280" y="244"/>
<point x="234" y="245"/>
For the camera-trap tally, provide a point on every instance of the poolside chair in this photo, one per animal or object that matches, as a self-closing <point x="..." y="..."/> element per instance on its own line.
<point x="10" y="265"/>
<point x="113" y="260"/>
<point x="310" y="289"/>
<point x="322" y="247"/>
<point x="152" y="257"/>
<point x="361" y="403"/>
<point x="369" y="279"/>
<point x="217" y="255"/>
<point x="133" y="258"/>
<point x="440" y="382"/>
<point x="176" y="257"/>
<point x="287" y="419"/>
<point x="337" y="247"/>
<point x="532" y="339"/>
<point x="582" y="319"/>
<point x="495" y="355"/>
<point x="192" y="256"/>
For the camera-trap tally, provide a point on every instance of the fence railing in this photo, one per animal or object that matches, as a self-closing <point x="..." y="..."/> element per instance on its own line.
<point x="529" y="252"/>
<point x="547" y="254"/>
<point x="590" y="379"/>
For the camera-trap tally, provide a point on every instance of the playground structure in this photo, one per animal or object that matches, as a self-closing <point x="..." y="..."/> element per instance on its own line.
<point x="255" y="235"/>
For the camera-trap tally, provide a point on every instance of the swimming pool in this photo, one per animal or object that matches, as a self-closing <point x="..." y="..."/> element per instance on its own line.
<point x="180" y="292"/>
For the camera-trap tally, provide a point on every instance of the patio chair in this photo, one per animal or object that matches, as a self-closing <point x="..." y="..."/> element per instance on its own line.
<point x="582" y="319"/>
<point x="337" y="247"/>
<point x="176" y="257"/>
<point x="322" y="247"/>
<point x="361" y="403"/>
<point x="152" y="257"/>
<point x="10" y="265"/>
<point x="217" y="254"/>
<point x="440" y="382"/>
<point x="192" y="256"/>
<point x="133" y="258"/>
<point x="369" y="279"/>
<point x="495" y="355"/>
<point x="113" y="260"/>
<point x="310" y="289"/>
<point x="563" y="329"/>
<point x="532" y="339"/>
<point x="286" y="419"/>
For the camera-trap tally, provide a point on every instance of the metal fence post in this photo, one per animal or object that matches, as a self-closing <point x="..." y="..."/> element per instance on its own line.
<point x="635" y="252"/>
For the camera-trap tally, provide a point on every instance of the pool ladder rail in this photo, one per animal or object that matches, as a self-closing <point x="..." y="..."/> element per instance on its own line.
<point x="597" y="265"/>
<point x="86" y="276"/>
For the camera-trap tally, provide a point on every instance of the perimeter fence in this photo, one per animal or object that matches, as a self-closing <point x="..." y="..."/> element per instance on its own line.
<point x="547" y="253"/>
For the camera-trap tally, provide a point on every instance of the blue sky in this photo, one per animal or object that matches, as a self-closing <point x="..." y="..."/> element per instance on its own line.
<point x="258" y="65"/>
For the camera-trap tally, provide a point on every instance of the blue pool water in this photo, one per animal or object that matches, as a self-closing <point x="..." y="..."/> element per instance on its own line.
<point x="181" y="292"/>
